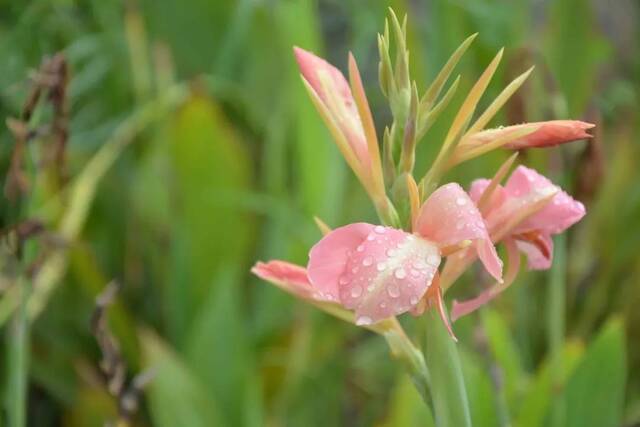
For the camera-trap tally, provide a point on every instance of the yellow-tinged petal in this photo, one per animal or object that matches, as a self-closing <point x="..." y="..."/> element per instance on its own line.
<point x="367" y="124"/>
<point x="500" y="100"/>
<point x="497" y="178"/>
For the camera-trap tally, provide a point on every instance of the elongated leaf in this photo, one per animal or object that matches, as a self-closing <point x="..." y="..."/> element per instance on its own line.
<point x="176" y="395"/>
<point x="534" y="407"/>
<point x="211" y="230"/>
<point x="504" y="352"/>
<point x="217" y="339"/>
<point x="447" y="382"/>
<point x="595" y="391"/>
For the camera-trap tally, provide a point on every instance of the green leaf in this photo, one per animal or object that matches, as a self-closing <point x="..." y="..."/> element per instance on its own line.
<point x="217" y="351"/>
<point x="482" y="393"/>
<point x="595" y="392"/>
<point x="504" y="352"/>
<point x="406" y="407"/>
<point x="447" y="382"/>
<point x="176" y="395"/>
<point x="538" y="397"/>
<point x="211" y="229"/>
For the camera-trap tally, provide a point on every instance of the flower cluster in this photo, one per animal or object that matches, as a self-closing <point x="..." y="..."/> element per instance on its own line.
<point x="367" y="273"/>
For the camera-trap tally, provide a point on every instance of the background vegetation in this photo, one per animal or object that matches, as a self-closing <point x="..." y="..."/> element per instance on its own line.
<point x="211" y="157"/>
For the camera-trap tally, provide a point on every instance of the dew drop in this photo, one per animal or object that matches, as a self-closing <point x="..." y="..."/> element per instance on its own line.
<point x="354" y="270"/>
<point x="381" y="266"/>
<point x="392" y="252"/>
<point x="400" y="273"/>
<point x="360" y="248"/>
<point x="433" y="259"/>
<point x="356" y="291"/>
<point x="363" y="321"/>
<point x="367" y="261"/>
<point x="461" y="201"/>
<point x="393" y="291"/>
<point x="343" y="280"/>
<point x="383" y="304"/>
<point x="370" y="288"/>
<point x="371" y="237"/>
<point x="415" y="273"/>
<point x="379" y="229"/>
<point x="414" y="300"/>
<point x="419" y="264"/>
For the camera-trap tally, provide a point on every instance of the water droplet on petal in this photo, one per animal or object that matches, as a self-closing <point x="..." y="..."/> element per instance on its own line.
<point x="419" y="264"/>
<point x="383" y="304"/>
<point x="433" y="259"/>
<point x="415" y="273"/>
<point x="370" y="288"/>
<point x="414" y="300"/>
<point x="371" y="237"/>
<point x="367" y="261"/>
<point x="343" y="280"/>
<point x="381" y="266"/>
<point x="400" y="273"/>
<point x="393" y="290"/>
<point x="379" y="229"/>
<point x="363" y="321"/>
<point x="354" y="270"/>
<point x="461" y="201"/>
<point x="356" y="291"/>
<point x="392" y="252"/>
<point x="360" y="248"/>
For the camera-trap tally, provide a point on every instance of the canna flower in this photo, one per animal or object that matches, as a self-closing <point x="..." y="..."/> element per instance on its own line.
<point x="542" y="134"/>
<point x="348" y="117"/>
<point x="380" y="272"/>
<point x="516" y="137"/>
<point x="523" y="214"/>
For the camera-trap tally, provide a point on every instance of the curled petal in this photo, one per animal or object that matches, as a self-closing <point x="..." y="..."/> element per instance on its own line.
<point x="556" y="216"/>
<point x="460" y="309"/>
<point x="385" y="273"/>
<point x="289" y="277"/>
<point x="328" y="258"/>
<point x="539" y="251"/>
<point x="547" y="134"/>
<point x="449" y="217"/>
<point x="334" y="91"/>
<point x="478" y="188"/>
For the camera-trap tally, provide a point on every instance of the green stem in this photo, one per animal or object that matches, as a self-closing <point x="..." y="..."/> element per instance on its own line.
<point x="18" y="341"/>
<point x="450" y="402"/>
<point x="556" y="296"/>
<point x="411" y="357"/>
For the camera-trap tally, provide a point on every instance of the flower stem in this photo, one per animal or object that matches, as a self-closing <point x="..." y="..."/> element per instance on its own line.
<point x="450" y="402"/>
<point x="410" y="356"/>
<point x="556" y="296"/>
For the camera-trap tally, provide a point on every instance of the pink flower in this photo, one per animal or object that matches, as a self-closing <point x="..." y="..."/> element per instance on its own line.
<point x="546" y="134"/>
<point x="289" y="277"/>
<point x="523" y="214"/>
<point x="520" y="197"/>
<point x="334" y="91"/>
<point x="348" y="117"/>
<point x="381" y="272"/>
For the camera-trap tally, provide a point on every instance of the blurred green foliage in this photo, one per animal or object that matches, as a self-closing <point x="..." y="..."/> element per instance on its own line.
<point x="236" y="171"/>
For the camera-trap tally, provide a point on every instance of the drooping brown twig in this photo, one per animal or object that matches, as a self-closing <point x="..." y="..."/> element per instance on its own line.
<point x="112" y="365"/>
<point x="49" y="81"/>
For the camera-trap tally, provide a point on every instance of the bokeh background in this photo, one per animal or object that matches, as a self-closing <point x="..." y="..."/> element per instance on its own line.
<point x="218" y="159"/>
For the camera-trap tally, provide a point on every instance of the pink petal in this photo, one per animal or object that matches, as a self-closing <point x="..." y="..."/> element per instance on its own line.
<point x="478" y="188"/>
<point x="384" y="274"/>
<point x="449" y="217"/>
<point x="547" y="134"/>
<point x="328" y="258"/>
<point x="538" y="258"/>
<point x="460" y="309"/>
<point x="333" y="89"/>
<point x="558" y="215"/>
<point x="290" y="277"/>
